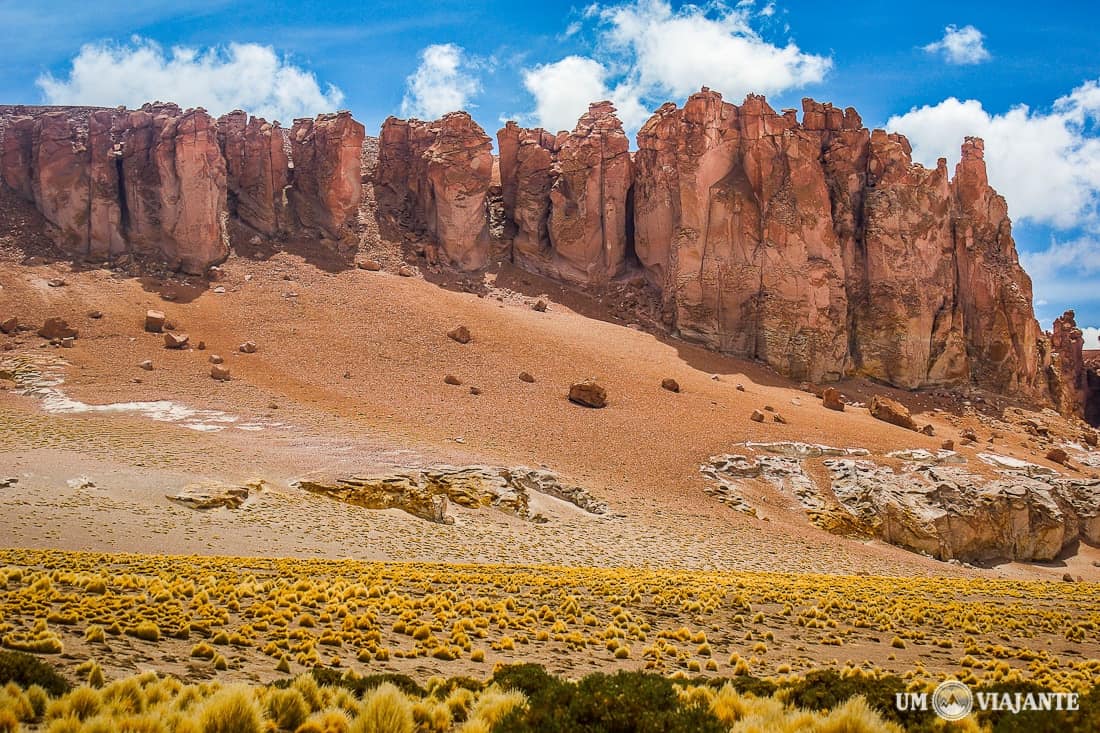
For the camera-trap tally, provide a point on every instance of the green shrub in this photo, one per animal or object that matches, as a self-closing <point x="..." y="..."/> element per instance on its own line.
<point x="26" y="670"/>
<point x="626" y="702"/>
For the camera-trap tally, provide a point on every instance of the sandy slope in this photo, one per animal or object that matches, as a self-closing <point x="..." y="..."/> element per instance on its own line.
<point x="349" y="379"/>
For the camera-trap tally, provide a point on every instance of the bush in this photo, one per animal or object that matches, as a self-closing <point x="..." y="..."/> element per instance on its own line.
<point x="385" y="710"/>
<point x="361" y="685"/>
<point x="26" y="670"/>
<point x="287" y="708"/>
<point x="827" y="689"/>
<point x="626" y="702"/>
<point x="232" y="710"/>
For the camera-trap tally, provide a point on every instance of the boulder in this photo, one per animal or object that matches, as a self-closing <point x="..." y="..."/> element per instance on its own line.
<point x="154" y="321"/>
<point x="830" y="398"/>
<point x="526" y="377"/>
<point x="9" y="325"/>
<point x="219" y="372"/>
<point x="670" y="384"/>
<point x="147" y="365"/>
<point x="57" y="328"/>
<point x="1057" y="455"/>
<point x="176" y="340"/>
<point x="248" y="347"/>
<point x="461" y="334"/>
<point x="588" y="393"/>
<point x="757" y="416"/>
<point x="891" y="411"/>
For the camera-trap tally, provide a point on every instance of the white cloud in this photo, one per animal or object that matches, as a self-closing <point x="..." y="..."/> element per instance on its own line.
<point x="239" y="76"/>
<point x="1092" y="337"/>
<point x="563" y="89"/>
<point x="1045" y="163"/>
<point x="961" y="45"/>
<point x="646" y="52"/>
<point x="444" y="82"/>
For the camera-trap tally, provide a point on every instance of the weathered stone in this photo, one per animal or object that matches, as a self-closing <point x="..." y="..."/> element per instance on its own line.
<point x="176" y="340"/>
<point x="1057" y="455"/>
<point x="248" y="347"/>
<point x="147" y="365"/>
<point x="670" y="384"/>
<point x="154" y="321"/>
<point x="452" y="379"/>
<point x="526" y="377"/>
<point x="219" y="373"/>
<point x="588" y="393"/>
<point x="830" y="398"/>
<point x="461" y="334"/>
<point x="757" y="416"/>
<point x="436" y="176"/>
<point x="891" y="411"/>
<point x="257" y="171"/>
<point x="215" y="495"/>
<point x="326" y="180"/>
<point x="9" y="325"/>
<point x="57" y="328"/>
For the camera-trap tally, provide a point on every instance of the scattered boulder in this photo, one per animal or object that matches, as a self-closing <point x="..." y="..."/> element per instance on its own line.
<point x="57" y="328"/>
<point x="948" y="445"/>
<point x="891" y="411"/>
<point x="452" y="379"/>
<point x="830" y="398"/>
<point x="928" y="430"/>
<point x="248" y="347"/>
<point x="9" y="325"/>
<point x="588" y="393"/>
<point x="475" y="390"/>
<point x="540" y="305"/>
<point x="57" y="282"/>
<point x="461" y="334"/>
<point x="779" y="419"/>
<point x="147" y="365"/>
<point x="214" y="495"/>
<point x="968" y="436"/>
<point x="1057" y="455"/>
<point x="757" y="416"/>
<point x="67" y="342"/>
<point x="175" y="340"/>
<point x="1090" y="438"/>
<point x="154" y="321"/>
<point x="406" y="271"/>
<point x="95" y="315"/>
<point x="219" y="372"/>
<point x="215" y="359"/>
<point x="526" y="377"/>
<point x="370" y="265"/>
<point x="670" y="384"/>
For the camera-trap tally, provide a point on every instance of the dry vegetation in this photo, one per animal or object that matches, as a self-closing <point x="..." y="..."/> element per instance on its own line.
<point x="212" y="622"/>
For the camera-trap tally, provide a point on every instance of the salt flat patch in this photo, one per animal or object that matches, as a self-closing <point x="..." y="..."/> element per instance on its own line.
<point x="43" y="382"/>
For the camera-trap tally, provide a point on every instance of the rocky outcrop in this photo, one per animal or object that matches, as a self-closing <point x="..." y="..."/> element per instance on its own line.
<point x="149" y="182"/>
<point x="427" y="493"/>
<point x="817" y="246"/>
<point x="160" y="183"/>
<point x="436" y="177"/>
<point x="327" y="178"/>
<point x="1067" y="373"/>
<point x="257" y="171"/>
<point x="930" y="504"/>
<point x="568" y="198"/>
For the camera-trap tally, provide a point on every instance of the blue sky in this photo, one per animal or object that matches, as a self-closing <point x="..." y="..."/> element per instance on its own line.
<point x="1026" y="76"/>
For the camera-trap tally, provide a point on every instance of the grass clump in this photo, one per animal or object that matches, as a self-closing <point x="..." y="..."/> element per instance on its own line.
<point x="385" y="710"/>
<point x="231" y="710"/>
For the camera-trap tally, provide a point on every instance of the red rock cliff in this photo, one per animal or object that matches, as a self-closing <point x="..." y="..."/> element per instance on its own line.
<point x="436" y="175"/>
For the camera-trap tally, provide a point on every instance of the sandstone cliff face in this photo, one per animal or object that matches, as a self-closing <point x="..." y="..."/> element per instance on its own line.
<point x="568" y="198"/>
<point x="161" y="182"/>
<point x="437" y="176"/>
<point x="822" y="249"/>
<point x="1068" y="373"/>
<point x="258" y="171"/>
<point x="151" y="181"/>
<point x="327" y="181"/>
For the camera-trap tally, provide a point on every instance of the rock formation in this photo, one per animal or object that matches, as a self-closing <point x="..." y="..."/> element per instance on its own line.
<point x="258" y="171"/>
<point x="159" y="182"/>
<point x="568" y="197"/>
<point x="436" y="175"/>
<point x="817" y="247"/>
<point x="1068" y="374"/>
<point x="327" y="179"/>
<point x="931" y="504"/>
<point x="149" y="182"/>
